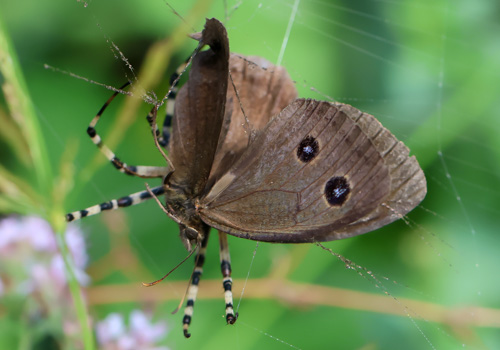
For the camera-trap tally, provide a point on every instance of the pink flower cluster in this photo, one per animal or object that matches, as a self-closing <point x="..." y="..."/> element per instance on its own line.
<point x="141" y="333"/>
<point x="32" y="267"/>
<point x="30" y="261"/>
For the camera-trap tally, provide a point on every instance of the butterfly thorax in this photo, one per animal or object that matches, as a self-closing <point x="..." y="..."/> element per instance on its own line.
<point x="180" y="204"/>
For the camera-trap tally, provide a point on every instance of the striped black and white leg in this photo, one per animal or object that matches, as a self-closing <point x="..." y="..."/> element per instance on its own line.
<point x="164" y="137"/>
<point x="132" y="199"/>
<point x="193" y="287"/>
<point x="141" y="171"/>
<point x="227" y="281"/>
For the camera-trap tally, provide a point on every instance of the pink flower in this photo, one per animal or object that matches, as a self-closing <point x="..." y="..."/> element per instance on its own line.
<point x="29" y="255"/>
<point x="112" y="333"/>
<point x="39" y="233"/>
<point x="32" y="266"/>
<point x="111" y="329"/>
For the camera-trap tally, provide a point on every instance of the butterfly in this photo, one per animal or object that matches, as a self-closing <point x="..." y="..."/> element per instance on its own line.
<point x="250" y="159"/>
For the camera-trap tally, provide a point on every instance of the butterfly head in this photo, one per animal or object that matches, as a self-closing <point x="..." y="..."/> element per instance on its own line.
<point x="181" y="208"/>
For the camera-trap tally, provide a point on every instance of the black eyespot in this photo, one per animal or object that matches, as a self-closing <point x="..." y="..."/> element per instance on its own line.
<point x="308" y="149"/>
<point x="336" y="190"/>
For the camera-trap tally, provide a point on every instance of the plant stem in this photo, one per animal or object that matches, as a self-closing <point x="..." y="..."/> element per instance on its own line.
<point x="76" y="293"/>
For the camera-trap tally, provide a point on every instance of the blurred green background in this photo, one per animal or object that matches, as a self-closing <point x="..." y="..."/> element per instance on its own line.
<point x="428" y="70"/>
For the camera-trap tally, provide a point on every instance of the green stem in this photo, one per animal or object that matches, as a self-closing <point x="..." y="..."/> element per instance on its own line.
<point x="76" y="293"/>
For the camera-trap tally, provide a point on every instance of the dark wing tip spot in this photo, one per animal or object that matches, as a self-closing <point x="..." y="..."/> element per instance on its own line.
<point x="337" y="190"/>
<point x="308" y="149"/>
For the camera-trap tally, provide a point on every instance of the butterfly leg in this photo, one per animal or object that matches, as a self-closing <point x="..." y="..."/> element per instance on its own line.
<point x="227" y="281"/>
<point x="193" y="287"/>
<point x="132" y="199"/>
<point x="164" y="137"/>
<point x="141" y="171"/>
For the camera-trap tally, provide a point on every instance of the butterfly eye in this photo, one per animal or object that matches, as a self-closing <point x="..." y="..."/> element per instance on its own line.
<point x="308" y="149"/>
<point x="336" y="190"/>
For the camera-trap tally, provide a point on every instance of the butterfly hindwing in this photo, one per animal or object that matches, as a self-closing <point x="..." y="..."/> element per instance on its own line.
<point x="408" y="183"/>
<point x="313" y="171"/>
<point x="257" y="90"/>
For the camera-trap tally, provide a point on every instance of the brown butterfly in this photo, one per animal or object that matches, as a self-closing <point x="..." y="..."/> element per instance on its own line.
<point x="249" y="159"/>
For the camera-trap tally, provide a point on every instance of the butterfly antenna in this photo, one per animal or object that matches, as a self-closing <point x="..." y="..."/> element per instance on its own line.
<point x="175" y="268"/>
<point x="165" y="207"/>
<point x="183" y="297"/>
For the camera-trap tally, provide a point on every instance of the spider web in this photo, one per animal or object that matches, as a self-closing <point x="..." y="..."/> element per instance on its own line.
<point x="426" y="69"/>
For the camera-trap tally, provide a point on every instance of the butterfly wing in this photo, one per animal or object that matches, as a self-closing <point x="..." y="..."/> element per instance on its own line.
<point x="257" y="90"/>
<point x="318" y="171"/>
<point x="199" y="111"/>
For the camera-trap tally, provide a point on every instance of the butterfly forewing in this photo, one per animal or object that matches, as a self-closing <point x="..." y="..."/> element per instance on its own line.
<point x="199" y="111"/>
